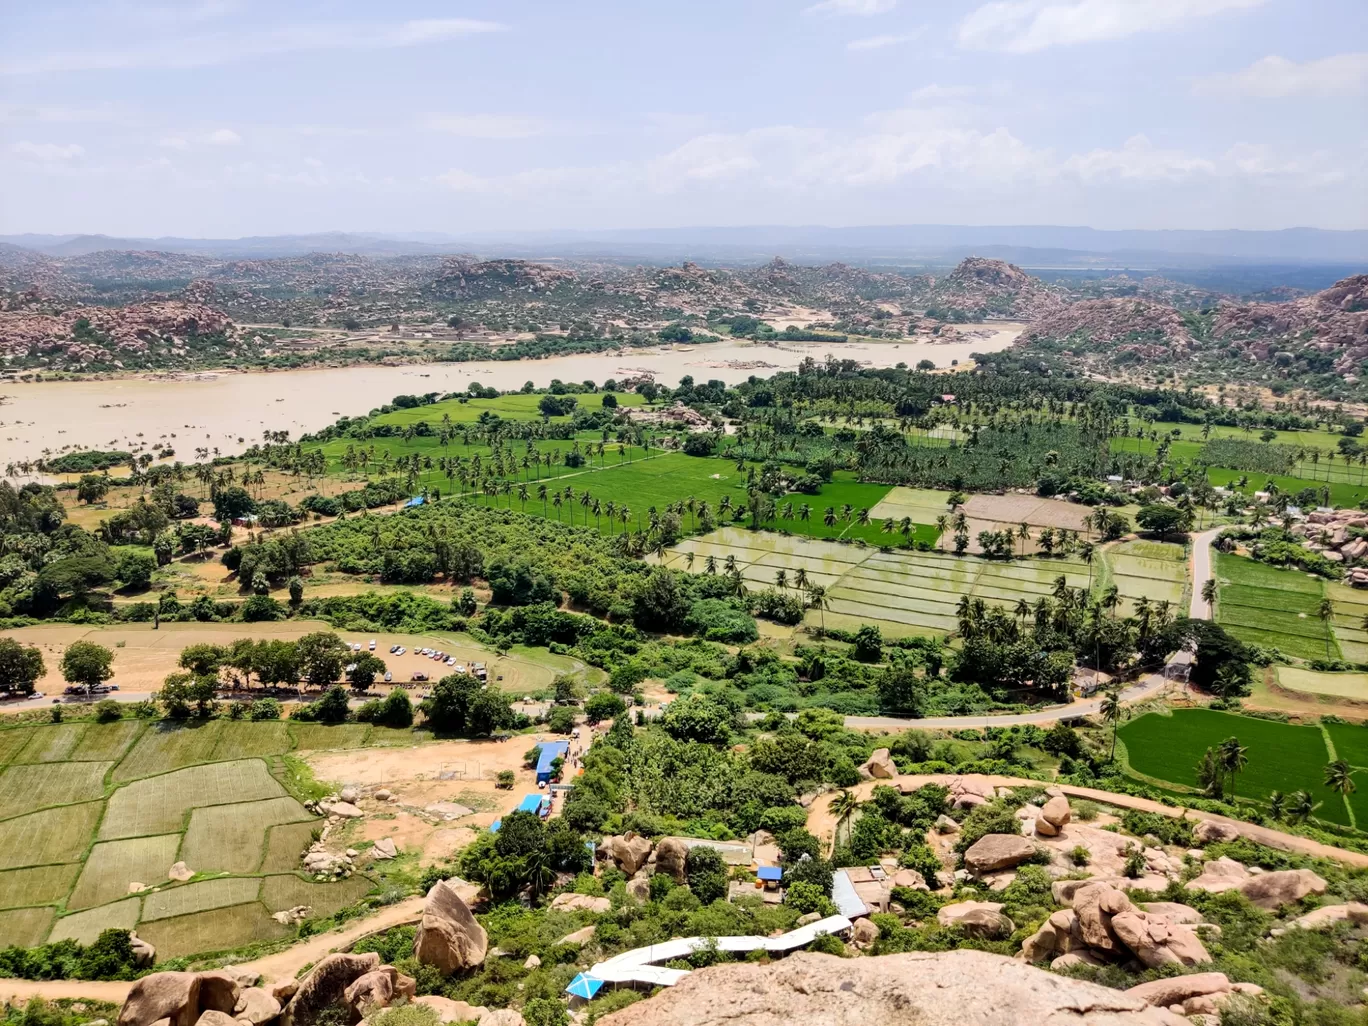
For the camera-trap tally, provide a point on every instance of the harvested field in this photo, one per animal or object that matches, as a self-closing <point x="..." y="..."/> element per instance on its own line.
<point x="38" y="885"/>
<point x="219" y="929"/>
<point x="53" y="743"/>
<point x="200" y="896"/>
<point x="230" y="838"/>
<point x="25" y="927"/>
<point x="53" y="835"/>
<point x="920" y="505"/>
<point x="167" y="746"/>
<point x="159" y="804"/>
<point x="113" y="865"/>
<point x="86" y="927"/>
<point x="1028" y="509"/>
<point x="1155" y="571"/>
<point x="29" y="787"/>
<point x="1340" y="685"/>
<point x="288" y="890"/>
<point x="285" y="844"/>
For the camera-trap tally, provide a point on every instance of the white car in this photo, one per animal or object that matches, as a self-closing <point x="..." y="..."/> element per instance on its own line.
<point x="451" y="660"/>
<point x="372" y="644"/>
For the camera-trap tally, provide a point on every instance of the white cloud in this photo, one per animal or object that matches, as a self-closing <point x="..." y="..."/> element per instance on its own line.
<point x="1137" y="158"/>
<point x="46" y="153"/>
<point x="880" y="42"/>
<point x="857" y="8"/>
<point x="486" y="126"/>
<point x="210" y="50"/>
<point x="223" y="137"/>
<point x="1026" y="26"/>
<point x="174" y="142"/>
<point x="1275" y="77"/>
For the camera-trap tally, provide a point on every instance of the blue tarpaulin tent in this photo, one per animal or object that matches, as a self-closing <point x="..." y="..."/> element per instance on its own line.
<point x="584" y="986"/>
<point x="770" y="874"/>
<point x="530" y="803"/>
<point x="417" y="500"/>
<point x="550" y="752"/>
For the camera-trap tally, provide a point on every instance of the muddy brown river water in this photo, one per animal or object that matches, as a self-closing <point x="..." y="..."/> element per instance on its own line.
<point x="229" y="411"/>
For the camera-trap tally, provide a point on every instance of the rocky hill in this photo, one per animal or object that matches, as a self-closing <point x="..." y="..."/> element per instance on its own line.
<point x="1319" y="342"/>
<point x="982" y="287"/>
<point x="953" y="988"/>
<point x="112" y="336"/>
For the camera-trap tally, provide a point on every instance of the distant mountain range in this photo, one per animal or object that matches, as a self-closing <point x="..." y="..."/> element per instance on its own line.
<point x="1037" y="246"/>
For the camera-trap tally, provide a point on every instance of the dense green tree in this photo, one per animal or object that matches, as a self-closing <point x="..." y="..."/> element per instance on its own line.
<point x="21" y="666"/>
<point x="87" y="664"/>
<point x="706" y="873"/>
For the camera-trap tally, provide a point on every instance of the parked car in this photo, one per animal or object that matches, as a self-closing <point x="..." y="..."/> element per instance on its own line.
<point x="389" y="677"/>
<point x="372" y="644"/>
<point x="394" y="650"/>
<point x="419" y="677"/>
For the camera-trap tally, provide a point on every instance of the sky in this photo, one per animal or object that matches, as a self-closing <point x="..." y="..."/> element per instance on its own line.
<point x="230" y="118"/>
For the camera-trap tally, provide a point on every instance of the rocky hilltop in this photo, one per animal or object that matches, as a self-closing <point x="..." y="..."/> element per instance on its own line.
<point x="983" y="287"/>
<point x="468" y="277"/>
<point x="953" y="988"/>
<point x="109" y="335"/>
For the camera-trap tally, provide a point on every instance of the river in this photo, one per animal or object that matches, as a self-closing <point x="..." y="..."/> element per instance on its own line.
<point x="228" y="411"/>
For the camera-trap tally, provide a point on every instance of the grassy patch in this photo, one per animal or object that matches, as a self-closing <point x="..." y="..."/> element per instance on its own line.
<point x="53" y="743"/>
<point x="1351" y="744"/>
<point x="327" y="736"/>
<point x="243" y="739"/>
<point x="86" y="927"/>
<point x="106" y="742"/>
<point x="200" y="896"/>
<point x="113" y="865"/>
<point x="37" y="885"/>
<point x="12" y="742"/>
<point x="289" y="890"/>
<point x="53" y="835"/>
<point x="159" y="804"/>
<point x="1282" y="757"/>
<point x="230" y="838"/>
<point x="25" y="927"/>
<point x="29" y="787"/>
<point x="285" y="843"/>
<point x="166" y="746"/>
<point x="220" y="929"/>
<point x="1340" y="685"/>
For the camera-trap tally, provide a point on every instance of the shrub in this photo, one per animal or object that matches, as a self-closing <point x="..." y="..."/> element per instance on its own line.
<point x="107" y="710"/>
<point x="505" y="780"/>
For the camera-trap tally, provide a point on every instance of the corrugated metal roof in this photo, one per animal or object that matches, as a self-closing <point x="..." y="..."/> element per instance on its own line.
<point x="843" y="894"/>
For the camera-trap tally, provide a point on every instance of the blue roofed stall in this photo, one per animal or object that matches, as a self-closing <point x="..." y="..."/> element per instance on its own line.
<point x="550" y="752"/>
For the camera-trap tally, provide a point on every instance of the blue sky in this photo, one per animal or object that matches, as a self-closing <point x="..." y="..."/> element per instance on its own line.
<point x="244" y="117"/>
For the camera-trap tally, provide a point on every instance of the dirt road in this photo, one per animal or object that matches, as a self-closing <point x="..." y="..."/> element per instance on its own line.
<point x="282" y="965"/>
<point x="822" y="823"/>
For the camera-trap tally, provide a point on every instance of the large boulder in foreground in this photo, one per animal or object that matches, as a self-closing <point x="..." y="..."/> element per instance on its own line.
<point x="171" y="996"/>
<point x="326" y="985"/>
<point x="1273" y="890"/>
<point x="449" y="936"/>
<point x="993" y="852"/>
<point x="952" y="988"/>
<point x="672" y="854"/>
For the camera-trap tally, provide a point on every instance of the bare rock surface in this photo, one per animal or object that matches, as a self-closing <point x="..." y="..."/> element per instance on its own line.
<point x="171" y="996"/>
<point x="954" y="988"/>
<point x="449" y="937"/>
<point x="327" y="983"/>
<point x="1219" y="875"/>
<point x="997" y="851"/>
<point x="671" y="856"/>
<point x="1272" y="890"/>
<point x="879" y="766"/>
<point x="567" y="901"/>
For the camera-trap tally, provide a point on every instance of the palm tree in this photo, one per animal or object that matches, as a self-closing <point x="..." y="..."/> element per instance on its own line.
<point x="942" y="524"/>
<point x="1234" y="757"/>
<point x="781" y="579"/>
<point x="1303" y="805"/>
<point x="710" y="565"/>
<point x="1339" y="777"/>
<point x="1209" y="592"/>
<point x="843" y="806"/>
<point x="817" y="599"/>
<point x="689" y="561"/>
<point x="800" y="579"/>
<point x="1277" y="804"/>
<point x="1113" y="712"/>
<point x="1326" y="612"/>
<point x="1023" y="536"/>
<point x="1085" y="553"/>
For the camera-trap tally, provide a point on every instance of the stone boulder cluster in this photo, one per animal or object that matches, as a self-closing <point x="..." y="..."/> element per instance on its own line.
<point x="448" y="937"/>
<point x="238" y="997"/>
<point x="104" y="333"/>
<point x="1329" y="533"/>
<point x="1103" y="925"/>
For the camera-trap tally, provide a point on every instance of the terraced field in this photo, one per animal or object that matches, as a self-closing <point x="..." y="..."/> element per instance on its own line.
<point x="88" y="811"/>
<point x="905" y="592"/>
<point x="1269" y="606"/>
<point x="1282" y="756"/>
<point x="1156" y="571"/>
